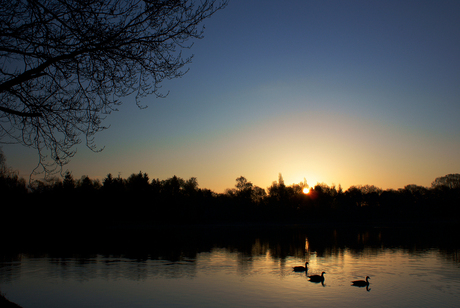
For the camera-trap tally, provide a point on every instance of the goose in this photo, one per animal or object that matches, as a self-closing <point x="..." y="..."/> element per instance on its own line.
<point x="317" y="278"/>
<point x="361" y="283"/>
<point x="301" y="268"/>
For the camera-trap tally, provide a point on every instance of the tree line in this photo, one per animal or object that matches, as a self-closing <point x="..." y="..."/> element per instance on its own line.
<point x="139" y="199"/>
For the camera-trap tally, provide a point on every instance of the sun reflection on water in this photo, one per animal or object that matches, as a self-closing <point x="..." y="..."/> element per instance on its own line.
<point x="252" y="273"/>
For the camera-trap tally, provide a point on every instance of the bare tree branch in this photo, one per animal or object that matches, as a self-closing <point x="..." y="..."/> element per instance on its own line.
<point x="65" y="64"/>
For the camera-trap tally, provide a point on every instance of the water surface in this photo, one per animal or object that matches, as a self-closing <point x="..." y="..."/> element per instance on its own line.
<point x="238" y="267"/>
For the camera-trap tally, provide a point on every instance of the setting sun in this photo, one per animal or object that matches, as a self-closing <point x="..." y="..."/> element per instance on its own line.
<point x="306" y="190"/>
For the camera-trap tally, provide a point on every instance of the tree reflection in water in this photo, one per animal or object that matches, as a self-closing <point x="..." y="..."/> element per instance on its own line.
<point x="254" y="261"/>
<point x="179" y="246"/>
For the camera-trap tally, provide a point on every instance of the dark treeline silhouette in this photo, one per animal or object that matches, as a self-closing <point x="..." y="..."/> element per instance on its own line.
<point x="113" y="201"/>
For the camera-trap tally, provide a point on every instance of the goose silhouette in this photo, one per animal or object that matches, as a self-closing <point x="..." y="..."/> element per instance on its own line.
<point x="361" y="283"/>
<point x="317" y="278"/>
<point x="301" y="268"/>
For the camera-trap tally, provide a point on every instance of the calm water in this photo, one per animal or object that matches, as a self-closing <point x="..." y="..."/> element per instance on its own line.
<point x="237" y="267"/>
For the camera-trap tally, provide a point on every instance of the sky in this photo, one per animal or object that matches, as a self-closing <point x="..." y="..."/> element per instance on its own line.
<point x="335" y="92"/>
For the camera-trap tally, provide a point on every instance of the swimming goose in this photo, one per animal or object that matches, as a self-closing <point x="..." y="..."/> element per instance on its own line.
<point x="317" y="278"/>
<point x="301" y="268"/>
<point x="361" y="283"/>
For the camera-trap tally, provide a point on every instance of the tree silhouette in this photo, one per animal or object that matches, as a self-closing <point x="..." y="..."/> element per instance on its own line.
<point x="191" y="187"/>
<point x="87" y="204"/>
<point x="66" y="64"/>
<point x="278" y="190"/>
<point x="11" y="185"/>
<point x="450" y="181"/>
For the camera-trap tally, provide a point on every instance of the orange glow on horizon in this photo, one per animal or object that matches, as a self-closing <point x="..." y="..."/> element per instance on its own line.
<point x="306" y="190"/>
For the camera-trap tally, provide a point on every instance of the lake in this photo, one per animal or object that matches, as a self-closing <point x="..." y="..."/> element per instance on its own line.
<point x="234" y="266"/>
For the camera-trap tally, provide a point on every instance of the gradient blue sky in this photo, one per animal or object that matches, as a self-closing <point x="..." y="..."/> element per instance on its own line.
<point x="339" y="92"/>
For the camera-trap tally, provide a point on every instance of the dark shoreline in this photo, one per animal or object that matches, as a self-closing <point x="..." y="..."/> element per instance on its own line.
<point x="6" y="303"/>
<point x="139" y="226"/>
<point x="119" y="233"/>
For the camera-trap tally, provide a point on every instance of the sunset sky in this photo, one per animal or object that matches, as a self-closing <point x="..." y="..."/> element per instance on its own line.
<point x="339" y="92"/>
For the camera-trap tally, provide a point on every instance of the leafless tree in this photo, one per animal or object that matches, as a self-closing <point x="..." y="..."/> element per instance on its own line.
<point x="65" y="64"/>
<point x="451" y="181"/>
